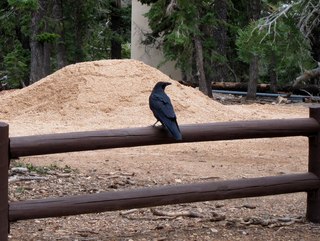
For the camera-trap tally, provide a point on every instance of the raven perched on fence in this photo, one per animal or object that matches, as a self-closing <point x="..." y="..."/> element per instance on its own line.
<point x="162" y="109"/>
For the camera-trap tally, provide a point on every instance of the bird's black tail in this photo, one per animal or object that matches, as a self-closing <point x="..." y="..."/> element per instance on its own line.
<point x="173" y="128"/>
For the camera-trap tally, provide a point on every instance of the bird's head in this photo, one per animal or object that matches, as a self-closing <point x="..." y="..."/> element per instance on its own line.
<point x="162" y="84"/>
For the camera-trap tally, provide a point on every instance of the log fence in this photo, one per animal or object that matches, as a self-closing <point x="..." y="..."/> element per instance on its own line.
<point x="13" y="147"/>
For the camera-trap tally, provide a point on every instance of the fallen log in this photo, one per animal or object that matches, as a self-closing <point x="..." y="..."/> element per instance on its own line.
<point x="240" y="86"/>
<point x="308" y="74"/>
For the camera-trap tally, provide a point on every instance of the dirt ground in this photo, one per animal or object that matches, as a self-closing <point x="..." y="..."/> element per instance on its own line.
<point x="114" y="94"/>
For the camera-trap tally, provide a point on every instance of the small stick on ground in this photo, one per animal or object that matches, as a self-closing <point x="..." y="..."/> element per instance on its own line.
<point x="126" y="212"/>
<point x="26" y="178"/>
<point x="175" y="214"/>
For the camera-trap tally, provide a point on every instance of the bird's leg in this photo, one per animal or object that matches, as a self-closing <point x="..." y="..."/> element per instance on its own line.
<point x="155" y="123"/>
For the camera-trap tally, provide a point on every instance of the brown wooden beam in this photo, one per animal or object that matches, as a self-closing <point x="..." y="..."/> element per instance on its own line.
<point x="308" y="74"/>
<point x="155" y="196"/>
<point x="93" y="140"/>
<point x="239" y="86"/>
<point x="313" y="198"/>
<point x="4" y="163"/>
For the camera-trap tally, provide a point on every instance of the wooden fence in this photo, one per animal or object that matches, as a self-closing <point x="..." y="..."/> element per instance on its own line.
<point x="147" y="197"/>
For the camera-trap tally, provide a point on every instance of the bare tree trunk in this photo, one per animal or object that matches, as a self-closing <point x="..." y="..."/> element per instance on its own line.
<point x="255" y="9"/>
<point x="46" y="58"/>
<point x="115" y="26"/>
<point x="25" y="42"/>
<point x="253" y="78"/>
<point x="80" y="32"/>
<point x="273" y="73"/>
<point x="60" y="45"/>
<point x="204" y="85"/>
<point x="221" y="38"/>
<point x="308" y="74"/>
<point x="40" y="51"/>
<point x="315" y="43"/>
<point x="187" y="75"/>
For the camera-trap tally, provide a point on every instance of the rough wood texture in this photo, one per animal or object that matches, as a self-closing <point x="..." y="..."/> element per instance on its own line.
<point x="4" y="163"/>
<point x="149" y="197"/>
<point x="93" y="140"/>
<point x="313" y="199"/>
<point x="238" y="86"/>
<point x="313" y="73"/>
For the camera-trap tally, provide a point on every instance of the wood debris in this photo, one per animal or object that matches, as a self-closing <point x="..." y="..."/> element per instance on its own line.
<point x="175" y="214"/>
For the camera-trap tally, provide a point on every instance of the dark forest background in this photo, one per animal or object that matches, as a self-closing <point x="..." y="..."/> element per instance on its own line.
<point x="258" y="41"/>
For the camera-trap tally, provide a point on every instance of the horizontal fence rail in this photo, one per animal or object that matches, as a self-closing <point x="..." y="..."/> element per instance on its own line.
<point x="156" y="196"/>
<point x="93" y="140"/>
<point x="164" y="195"/>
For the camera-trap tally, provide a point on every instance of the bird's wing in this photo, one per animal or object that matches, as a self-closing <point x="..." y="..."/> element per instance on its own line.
<point x="162" y="105"/>
<point x="162" y="109"/>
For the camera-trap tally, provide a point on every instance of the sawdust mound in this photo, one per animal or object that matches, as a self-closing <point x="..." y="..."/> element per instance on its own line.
<point x="103" y="94"/>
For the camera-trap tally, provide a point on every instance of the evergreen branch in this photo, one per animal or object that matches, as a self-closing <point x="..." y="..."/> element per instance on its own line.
<point x="308" y="19"/>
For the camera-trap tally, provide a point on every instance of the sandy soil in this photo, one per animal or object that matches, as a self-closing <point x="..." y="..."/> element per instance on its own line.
<point x="114" y="94"/>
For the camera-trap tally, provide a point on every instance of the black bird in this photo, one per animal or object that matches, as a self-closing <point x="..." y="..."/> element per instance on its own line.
<point x="160" y="104"/>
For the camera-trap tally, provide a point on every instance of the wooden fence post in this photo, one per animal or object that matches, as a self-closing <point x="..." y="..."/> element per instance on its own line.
<point x="313" y="199"/>
<point x="4" y="162"/>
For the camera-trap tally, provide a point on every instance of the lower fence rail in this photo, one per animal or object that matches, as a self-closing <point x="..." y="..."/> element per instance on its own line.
<point x="164" y="195"/>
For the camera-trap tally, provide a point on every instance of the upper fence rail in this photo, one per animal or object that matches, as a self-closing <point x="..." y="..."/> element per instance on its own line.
<point x="130" y="137"/>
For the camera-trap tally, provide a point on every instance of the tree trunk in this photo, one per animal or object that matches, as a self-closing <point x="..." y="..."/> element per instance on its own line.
<point x="80" y="32"/>
<point x="204" y="85"/>
<point x="273" y="73"/>
<point x="308" y="74"/>
<point x="25" y="42"/>
<point x="219" y="34"/>
<point x="253" y="78"/>
<point x="315" y="43"/>
<point x="115" y="26"/>
<point x="40" y="51"/>
<point x="238" y="86"/>
<point x="60" y="44"/>
<point x="254" y="9"/>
